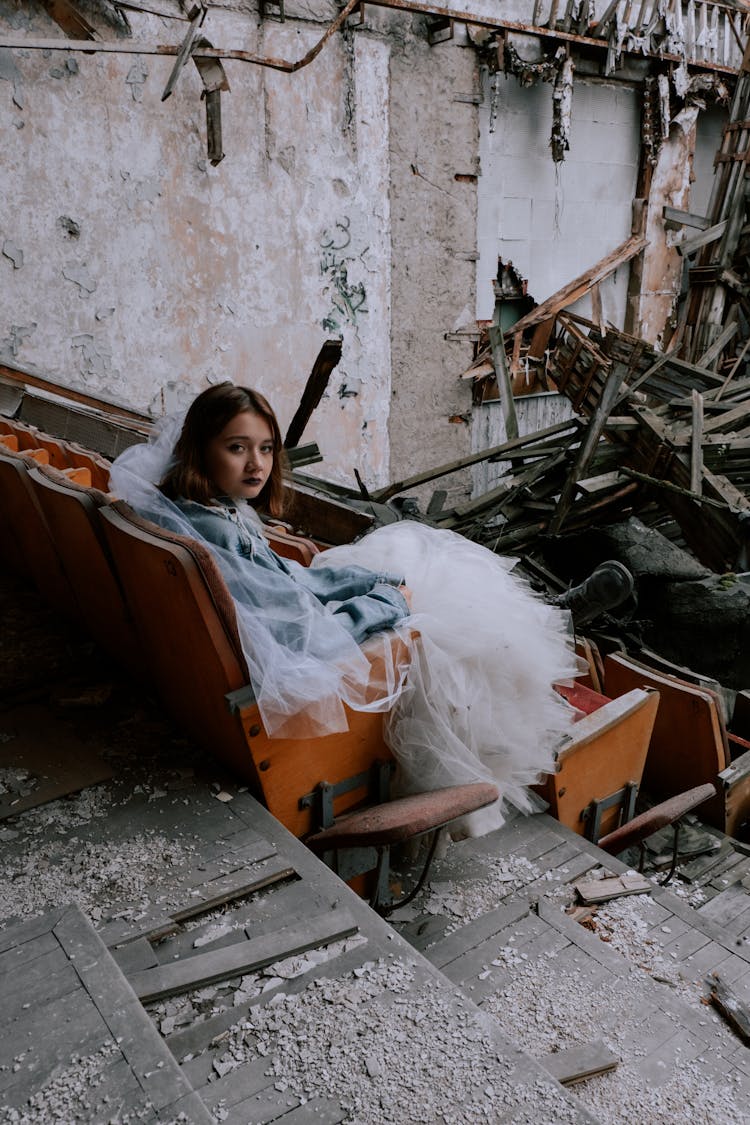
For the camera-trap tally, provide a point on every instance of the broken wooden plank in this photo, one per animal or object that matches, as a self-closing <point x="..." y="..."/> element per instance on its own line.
<point x="576" y="1064"/>
<point x="719" y="344"/>
<point x="73" y="23"/>
<point x="732" y="372"/>
<point x="502" y="375"/>
<point x="214" y="143"/>
<point x="696" y="450"/>
<point x="158" y="924"/>
<point x="197" y="14"/>
<point x="495" y="452"/>
<point x="588" y="444"/>
<point x="674" y="219"/>
<point x="711" y="234"/>
<point x="234" y="885"/>
<point x="317" y="381"/>
<point x="242" y="957"/>
<point x="735" y="1011"/>
<point x="581" y="285"/>
<point x="727" y="419"/>
<point x="616" y="886"/>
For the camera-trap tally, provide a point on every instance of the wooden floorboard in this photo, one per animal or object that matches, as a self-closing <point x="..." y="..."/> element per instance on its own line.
<point x="231" y="843"/>
<point x="241" y="957"/>
<point x="97" y="1013"/>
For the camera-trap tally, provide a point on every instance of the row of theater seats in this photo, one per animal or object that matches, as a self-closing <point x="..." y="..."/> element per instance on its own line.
<point x="157" y="603"/>
<point x="690" y="744"/>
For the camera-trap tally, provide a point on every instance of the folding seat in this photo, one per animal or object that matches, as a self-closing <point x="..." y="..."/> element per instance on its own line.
<point x="70" y="510"/>
<point x="26" y="544"/>
<point x="600" y="763"/>
<point x="689" y="746"/>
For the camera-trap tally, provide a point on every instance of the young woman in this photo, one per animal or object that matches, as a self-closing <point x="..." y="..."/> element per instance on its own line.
<point x="473" y="698"/>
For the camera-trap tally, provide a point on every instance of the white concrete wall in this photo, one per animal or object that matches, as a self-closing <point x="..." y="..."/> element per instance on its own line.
<point x="178" y="274"/>
<point x="554" y="222"/>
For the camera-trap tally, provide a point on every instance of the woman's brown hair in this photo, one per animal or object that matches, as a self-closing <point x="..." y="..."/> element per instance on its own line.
<point x="209" y="413"/>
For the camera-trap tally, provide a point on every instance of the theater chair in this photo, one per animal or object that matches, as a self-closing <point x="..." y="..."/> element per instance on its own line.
<point x="70" y="511"/>
<point x="187" y="628"/>
<point x="690" y="746"/>
<point x="600" y="763"/>
<point x="26" y="544"/>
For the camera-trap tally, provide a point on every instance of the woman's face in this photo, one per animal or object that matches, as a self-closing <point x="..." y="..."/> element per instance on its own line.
<point x="239" y="459"/>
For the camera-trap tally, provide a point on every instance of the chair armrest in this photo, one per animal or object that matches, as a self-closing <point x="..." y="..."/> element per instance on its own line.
<point x="640" y="827"/>
<point x="399" y="820"/>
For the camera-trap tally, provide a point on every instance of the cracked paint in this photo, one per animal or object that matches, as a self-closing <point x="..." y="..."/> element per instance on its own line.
<point x="80" y="276"/>
<point x="13" y="253"/>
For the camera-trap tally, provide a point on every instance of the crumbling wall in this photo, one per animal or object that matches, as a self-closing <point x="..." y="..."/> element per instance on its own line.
<point x="661" y="268"/>
<point x="134" y="269"/>
<point x="554" y="221"/>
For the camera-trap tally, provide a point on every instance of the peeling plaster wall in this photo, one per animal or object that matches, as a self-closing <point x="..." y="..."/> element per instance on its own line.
<point x="434" y="138"/>
<point x="553" y="223"/>
<point x="133" y="269"/>
<point x="661" y="268"/>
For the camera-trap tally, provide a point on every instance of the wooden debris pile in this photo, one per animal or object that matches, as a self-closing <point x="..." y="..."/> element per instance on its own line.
<point x="666" y="432"/>
<point x="655" y="432"/>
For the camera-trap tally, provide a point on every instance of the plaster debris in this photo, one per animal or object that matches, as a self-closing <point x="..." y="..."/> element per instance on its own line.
<point x="95" y="876"/>
<point x="390" y="1053"/>
<point x="470" y="899"/>
<point x="67" y="813"/>
<point x="72" y="1094"/>
<point x="624" y="925"/>
<point x="14" y="253"/>
<point x="17" y="781"/>
<point x="542" y="1011"/>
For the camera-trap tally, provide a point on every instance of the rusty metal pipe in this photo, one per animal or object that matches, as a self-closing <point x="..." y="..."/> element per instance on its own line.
<point x="287" y="66"/>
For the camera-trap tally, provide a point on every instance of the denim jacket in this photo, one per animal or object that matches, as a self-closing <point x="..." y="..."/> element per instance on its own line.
<point x="361" y="601"/>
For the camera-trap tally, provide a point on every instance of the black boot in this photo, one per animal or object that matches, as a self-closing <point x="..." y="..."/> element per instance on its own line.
<point x="609" y="585"/>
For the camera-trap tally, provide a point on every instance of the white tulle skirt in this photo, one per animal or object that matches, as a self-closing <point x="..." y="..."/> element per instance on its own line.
<point x="479" y="701"/>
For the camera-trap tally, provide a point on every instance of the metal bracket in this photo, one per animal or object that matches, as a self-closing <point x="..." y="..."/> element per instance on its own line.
<point x="376" y="781"/>
<point x="624" y="798"/>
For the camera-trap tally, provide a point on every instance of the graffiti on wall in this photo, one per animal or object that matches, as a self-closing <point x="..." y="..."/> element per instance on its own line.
<point x="348" y="300"/>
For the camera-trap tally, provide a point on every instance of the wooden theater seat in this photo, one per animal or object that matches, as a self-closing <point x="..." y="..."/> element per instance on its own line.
<point x="70" y="510"/>
<point x="689" y="746"/>
<point x="600" y="764"/>
<point x="26" y="544"/>
<point x="63" y="455"/>
<point x="187" y="628"/>
<point x="290" y="546"/>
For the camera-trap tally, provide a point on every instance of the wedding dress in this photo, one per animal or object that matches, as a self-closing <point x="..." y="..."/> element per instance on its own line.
<point x="473" y="700"/>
